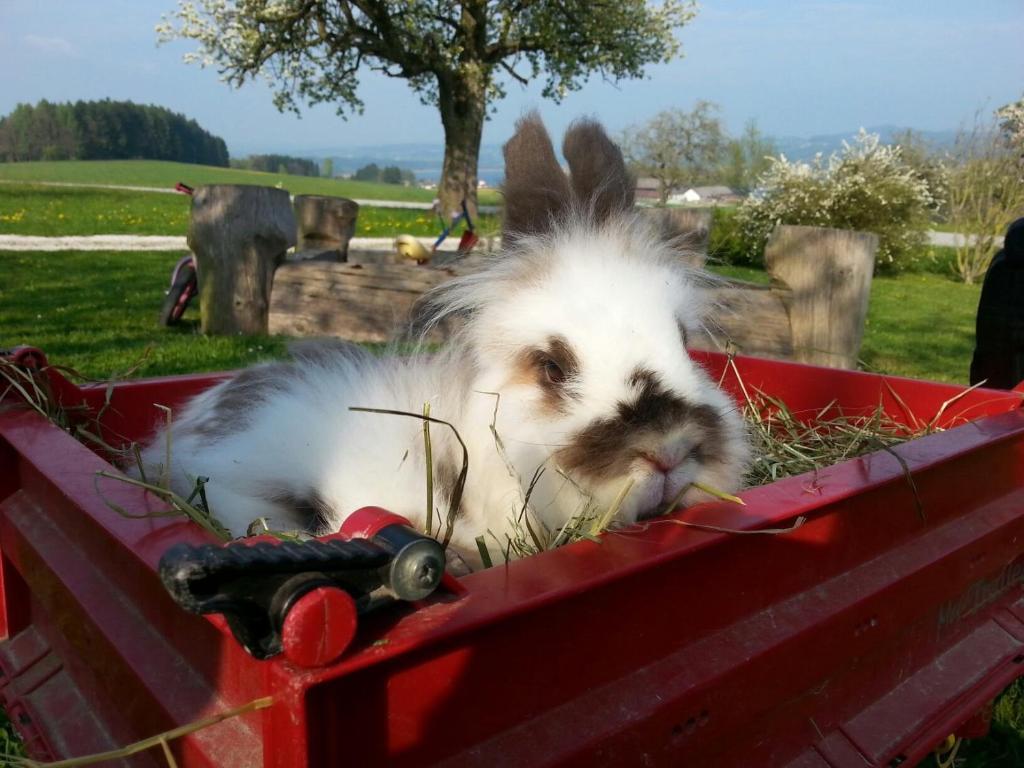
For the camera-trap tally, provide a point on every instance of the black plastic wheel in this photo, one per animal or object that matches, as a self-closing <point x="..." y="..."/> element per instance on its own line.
<point x="178" y="296"/>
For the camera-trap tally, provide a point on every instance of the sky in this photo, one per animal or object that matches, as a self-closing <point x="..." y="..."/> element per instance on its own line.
<point x="799" y="67"/>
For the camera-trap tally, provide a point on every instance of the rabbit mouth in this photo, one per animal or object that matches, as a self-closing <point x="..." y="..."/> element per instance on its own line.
<point x="661" y="492"/>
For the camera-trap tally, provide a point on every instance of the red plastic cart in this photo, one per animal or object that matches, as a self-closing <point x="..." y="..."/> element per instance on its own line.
<point x="887" y="621"/>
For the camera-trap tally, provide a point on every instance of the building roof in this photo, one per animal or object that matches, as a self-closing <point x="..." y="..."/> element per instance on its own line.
<point x="718" y="190"/>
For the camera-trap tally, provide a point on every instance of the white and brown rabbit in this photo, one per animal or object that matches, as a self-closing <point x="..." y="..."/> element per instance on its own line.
<point x="580" y="324"/>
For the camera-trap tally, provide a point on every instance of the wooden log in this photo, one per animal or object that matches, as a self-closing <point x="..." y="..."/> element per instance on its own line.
<point x="359" y="302"/>
<point x="239" y="235"/>
<point x="828" y="272"/>
<point x="325" y="224"/>
<point x="688" y="228"/>
<point x="813" y="311"/>
<point x="748" y="318"/>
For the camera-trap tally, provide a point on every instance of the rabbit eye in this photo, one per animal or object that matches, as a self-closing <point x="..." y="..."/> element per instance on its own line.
<point x="552" y="371"/>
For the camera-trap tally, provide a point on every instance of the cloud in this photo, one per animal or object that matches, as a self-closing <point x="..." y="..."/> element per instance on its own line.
<point x="50" y="45"/>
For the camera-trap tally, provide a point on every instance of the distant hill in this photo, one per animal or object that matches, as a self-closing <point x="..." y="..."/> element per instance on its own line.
<point x="805" y="148"/>
<point x="425" y="160"/>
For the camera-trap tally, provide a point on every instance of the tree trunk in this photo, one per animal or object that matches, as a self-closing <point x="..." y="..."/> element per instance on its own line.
<point x="463" y="104"/>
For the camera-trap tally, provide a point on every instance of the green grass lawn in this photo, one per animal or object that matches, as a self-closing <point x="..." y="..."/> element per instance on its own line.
<point x="921" y="325"/>
<point x="32" y="209"/>
<point x="159" y="173"/>
<point x="37" y="210"/>
<point x="97" y="313"/>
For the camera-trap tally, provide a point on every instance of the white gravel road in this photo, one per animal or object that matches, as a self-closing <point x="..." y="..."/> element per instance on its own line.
<point x="174" y="243"/>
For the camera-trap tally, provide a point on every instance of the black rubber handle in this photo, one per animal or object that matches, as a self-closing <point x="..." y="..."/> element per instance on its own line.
<point x="194" y="575"/>
<point x="254" y="584"/>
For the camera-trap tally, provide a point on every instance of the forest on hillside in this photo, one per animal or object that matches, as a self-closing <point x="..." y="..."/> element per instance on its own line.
<point x="296" y="166"/>
<point x="106" y="130"/>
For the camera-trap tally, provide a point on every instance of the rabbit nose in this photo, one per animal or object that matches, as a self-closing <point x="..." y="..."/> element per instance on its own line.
<point x="659" y="463"/>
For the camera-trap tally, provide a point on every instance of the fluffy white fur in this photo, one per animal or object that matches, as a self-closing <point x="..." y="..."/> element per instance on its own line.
<point x="616" y="292"/>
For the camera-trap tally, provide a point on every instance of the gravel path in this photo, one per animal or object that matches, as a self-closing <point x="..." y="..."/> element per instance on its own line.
<point x="172" y="243"/>
<point x="953" y="239"/>
<point x="93" y="243"/>
<point x="176" y="243"/>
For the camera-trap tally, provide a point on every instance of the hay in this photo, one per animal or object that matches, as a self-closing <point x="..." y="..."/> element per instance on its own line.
<point x="785" y="445"/>
<point x="179" y="506"/>
<point x="33" y="391"/>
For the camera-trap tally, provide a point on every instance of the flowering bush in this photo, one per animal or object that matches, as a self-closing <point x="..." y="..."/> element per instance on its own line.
<point x="867" y="186"/>
<point x="1011" y="123"/>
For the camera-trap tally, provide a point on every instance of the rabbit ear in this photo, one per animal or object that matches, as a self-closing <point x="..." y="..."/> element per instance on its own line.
<point x="536" y="189"/>
<point x="600" y="182"/>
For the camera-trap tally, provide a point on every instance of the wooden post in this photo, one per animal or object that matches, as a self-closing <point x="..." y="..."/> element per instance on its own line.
<point x="690" y="228"/>
<point x="239" y="235"/>
<point x="326" y="224"/>
<point x="828" y="272"/>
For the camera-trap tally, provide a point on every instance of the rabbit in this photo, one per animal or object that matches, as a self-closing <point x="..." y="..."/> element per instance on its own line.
<point x="568" y="375"/>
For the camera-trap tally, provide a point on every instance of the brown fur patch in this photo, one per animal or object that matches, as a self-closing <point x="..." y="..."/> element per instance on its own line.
<point x="529" y="368"/>
<point x="600" y="182"/>
<point x="536" y="189"/>
<point x="446" y="477"/>
<point x="607" y="447"/>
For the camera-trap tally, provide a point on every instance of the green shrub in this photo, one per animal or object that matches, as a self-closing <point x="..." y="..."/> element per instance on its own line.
<point x="865" y="187"/>
<point x="727" y="245"/>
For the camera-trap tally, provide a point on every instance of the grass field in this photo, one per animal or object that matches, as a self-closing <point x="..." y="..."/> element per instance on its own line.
<point x="33" y="209"/>
<point x="96" y="312"/>
<point x="158" y="173"/>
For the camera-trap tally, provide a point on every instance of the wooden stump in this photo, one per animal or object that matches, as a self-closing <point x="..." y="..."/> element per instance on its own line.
<point x="689" y="228"/>
<point x="239" y="235"/>
<point x="815" y="308"/>
<point x="325" y="226"/>
<point x="828" y="272"/>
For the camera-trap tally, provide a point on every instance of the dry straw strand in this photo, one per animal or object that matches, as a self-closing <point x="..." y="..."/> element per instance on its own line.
<point x="429" y="459"/>
<point x="160" y="740"/>
<point x="460" y="483"/>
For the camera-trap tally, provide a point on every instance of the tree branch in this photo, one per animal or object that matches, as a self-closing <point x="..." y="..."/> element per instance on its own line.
<point x="515" y="75"/>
